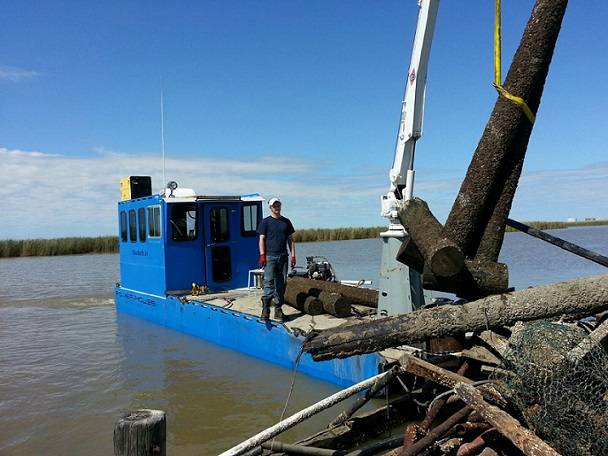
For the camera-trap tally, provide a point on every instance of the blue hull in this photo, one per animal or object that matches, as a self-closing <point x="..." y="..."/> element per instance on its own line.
<point x="244" y="333"/>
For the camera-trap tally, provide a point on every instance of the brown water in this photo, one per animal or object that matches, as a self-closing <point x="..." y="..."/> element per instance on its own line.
<point x="70" y="365"/>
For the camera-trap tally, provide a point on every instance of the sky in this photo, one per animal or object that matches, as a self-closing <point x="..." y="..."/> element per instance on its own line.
<point x="296" y="99"/>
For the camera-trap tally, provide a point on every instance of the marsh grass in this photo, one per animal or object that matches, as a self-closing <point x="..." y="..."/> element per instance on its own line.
<point x="109" y="244"/>
<point x="59" y="246"/>
<point x="336" y="234"/>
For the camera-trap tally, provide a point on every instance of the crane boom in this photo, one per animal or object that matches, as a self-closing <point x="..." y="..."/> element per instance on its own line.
<point x="401" y="287"/>
<point x="401" y="175"/>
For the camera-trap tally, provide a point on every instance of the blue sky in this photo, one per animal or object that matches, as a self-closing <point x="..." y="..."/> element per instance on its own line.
<point x="297" y="99"/>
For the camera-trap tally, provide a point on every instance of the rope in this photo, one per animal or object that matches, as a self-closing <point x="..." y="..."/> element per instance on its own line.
<point x="293" y="381"/>
<point x="498" y="65"/>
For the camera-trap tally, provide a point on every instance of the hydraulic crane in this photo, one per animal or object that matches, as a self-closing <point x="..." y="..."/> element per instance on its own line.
<point x="400" y="287"/>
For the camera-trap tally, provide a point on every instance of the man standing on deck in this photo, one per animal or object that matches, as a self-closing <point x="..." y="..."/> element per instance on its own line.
<point x="275" y="236"/>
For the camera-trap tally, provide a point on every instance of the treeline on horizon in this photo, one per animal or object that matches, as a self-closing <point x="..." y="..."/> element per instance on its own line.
<point x="109" y="244"/>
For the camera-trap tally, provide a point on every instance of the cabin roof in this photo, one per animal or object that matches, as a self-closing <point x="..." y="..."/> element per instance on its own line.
<point x="253" y="197"/>
<point x="196" y="198"/>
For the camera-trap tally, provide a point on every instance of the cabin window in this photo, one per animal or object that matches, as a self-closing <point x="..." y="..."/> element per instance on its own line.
<point x="154" y="221"/>
<point x="141" y="218"/>
<point x="250" y="219"/>
<point x="221" y="263"/>
<point x="183" y="222"/>
<point x="132" y="226"/>
<point x="123" y="226"/>
<point x="219" y="224"/>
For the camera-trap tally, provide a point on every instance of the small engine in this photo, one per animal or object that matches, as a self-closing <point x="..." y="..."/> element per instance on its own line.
<point x="317" y="267"/>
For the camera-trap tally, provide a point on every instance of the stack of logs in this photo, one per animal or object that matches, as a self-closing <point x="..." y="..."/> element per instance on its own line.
<point x="461" y="257"/>
<point x="460" y="413"/>
<point x="457" y="411"/>
<point x="315" y="297"/>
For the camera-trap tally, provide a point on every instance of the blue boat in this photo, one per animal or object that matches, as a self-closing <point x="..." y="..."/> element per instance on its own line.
<point x="189" y="262"/>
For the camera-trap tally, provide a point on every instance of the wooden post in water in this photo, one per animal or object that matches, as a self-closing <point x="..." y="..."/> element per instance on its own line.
<point x="141" y="433"/>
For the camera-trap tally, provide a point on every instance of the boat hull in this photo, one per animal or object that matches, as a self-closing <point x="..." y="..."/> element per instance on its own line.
<point x="266" y="340"/>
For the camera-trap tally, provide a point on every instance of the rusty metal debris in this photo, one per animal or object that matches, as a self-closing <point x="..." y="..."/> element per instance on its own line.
<point x="527" y="404"/>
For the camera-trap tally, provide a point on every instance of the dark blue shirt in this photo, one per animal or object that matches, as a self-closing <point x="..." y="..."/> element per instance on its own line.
<point x="276" y="231"/>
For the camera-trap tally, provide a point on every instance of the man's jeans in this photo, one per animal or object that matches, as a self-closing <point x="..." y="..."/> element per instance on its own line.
<point x="275" y="274"/>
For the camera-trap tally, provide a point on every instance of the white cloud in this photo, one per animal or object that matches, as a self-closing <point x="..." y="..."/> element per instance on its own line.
<point x="14" y="74"/>
<point x="560" y="194"/>
<point x="52" y="195"/>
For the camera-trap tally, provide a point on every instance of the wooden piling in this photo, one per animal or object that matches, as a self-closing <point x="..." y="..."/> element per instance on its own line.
<point x="141" y="433"/>
<point x="335" y="304"/>
<point x="441" y="254"/>
<point x="479" y="213"/>
<point x="356" y="295"/>
<point x="302" y="301"/>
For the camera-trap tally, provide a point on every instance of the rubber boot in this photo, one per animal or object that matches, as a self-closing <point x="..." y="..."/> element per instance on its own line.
<point x="278" y="313"/>
<point x="265" y="309"/>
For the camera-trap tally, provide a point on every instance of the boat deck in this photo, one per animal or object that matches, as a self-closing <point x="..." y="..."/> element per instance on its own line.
<point x="248" y="301"/>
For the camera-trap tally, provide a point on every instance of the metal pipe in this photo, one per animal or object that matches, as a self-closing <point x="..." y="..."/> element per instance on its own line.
<point x="561" y="243"/>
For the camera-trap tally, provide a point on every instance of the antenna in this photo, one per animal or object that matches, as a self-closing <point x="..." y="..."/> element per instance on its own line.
<point x="162" y="129"/>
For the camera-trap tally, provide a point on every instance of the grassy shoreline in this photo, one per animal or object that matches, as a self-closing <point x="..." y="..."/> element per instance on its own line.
<point x="109" y="244"/>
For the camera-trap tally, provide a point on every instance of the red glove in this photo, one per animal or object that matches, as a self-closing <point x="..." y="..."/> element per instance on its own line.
<point x="262" y="260"/>
<point x="293" y="261"/>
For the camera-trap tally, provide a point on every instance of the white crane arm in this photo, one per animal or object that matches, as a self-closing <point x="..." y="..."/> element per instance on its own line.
<point x="401" y="175"/>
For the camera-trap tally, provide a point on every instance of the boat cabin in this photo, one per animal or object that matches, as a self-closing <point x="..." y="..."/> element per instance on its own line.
<point x="169" y="243"/>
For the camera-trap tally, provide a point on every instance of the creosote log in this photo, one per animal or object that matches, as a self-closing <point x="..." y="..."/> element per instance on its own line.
<point x="356" y="295"/>
<point x="442" y="256"/>
<point x="494" y="232"/>
<point x="476" y="280"/>
<point x="485" y="197"/>
<point x="313" y="306"/>
<point x="303" y="302"/>
<point x="334" y="304"/>
<point x="410" y="255"/>
<point x="581" y="296"/>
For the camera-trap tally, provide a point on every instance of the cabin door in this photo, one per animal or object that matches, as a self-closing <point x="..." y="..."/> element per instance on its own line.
<point x="218" y="220"/>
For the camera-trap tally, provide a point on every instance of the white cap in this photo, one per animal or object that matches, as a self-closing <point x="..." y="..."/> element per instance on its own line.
<point x="271" y="201"/>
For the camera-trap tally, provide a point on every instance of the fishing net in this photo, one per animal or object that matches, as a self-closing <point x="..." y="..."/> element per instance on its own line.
<point x="559" y="385"/>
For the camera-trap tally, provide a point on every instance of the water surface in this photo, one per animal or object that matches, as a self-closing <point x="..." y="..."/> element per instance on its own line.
<point x="70" y="365"/>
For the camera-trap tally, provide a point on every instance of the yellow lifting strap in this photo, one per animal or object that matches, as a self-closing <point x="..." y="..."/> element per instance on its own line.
<point x="497" y="67"/>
